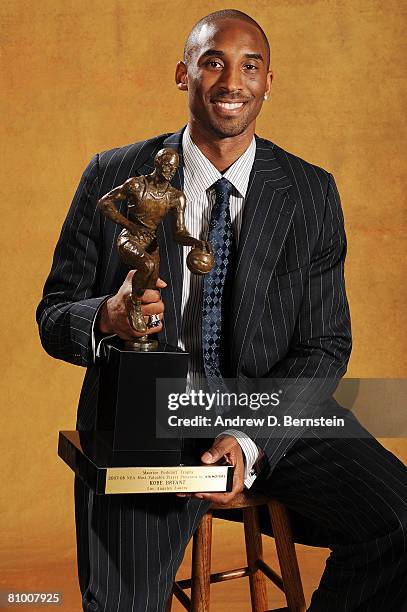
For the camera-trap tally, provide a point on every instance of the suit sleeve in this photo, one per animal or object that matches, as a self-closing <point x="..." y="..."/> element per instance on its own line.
<point x="70" y="300"/>
<point x="321" y="343"/>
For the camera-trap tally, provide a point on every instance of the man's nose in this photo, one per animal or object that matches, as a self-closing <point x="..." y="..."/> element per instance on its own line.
<point x="231" y="78"/>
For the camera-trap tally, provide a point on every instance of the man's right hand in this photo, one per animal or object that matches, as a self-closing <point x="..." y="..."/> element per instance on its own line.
<point x="113" y="319"/>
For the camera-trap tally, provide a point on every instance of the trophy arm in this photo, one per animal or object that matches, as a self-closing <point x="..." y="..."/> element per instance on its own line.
<point x="180" y="233"/>
<point x="107" y="204"/>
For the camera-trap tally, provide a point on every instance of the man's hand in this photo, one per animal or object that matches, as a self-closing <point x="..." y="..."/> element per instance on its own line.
<point x="228" y="448"/>
<point x="113" y="314"/>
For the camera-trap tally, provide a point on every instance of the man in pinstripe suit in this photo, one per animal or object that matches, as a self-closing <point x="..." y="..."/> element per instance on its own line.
<point x="288" y="319"/>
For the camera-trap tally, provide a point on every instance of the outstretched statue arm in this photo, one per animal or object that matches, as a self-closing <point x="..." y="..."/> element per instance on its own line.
<point x="180" y="232"/>
<point x="107" y="204"/>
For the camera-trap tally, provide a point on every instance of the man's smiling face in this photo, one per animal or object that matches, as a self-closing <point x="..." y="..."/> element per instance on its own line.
<point x="227" y="77"/>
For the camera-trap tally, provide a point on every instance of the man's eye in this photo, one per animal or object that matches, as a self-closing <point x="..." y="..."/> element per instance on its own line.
<point x="213" y="64"/>
<point x="251" y="66"/>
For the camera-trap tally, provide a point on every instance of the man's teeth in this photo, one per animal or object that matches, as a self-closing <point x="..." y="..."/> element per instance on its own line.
<point x="230" y="105"/>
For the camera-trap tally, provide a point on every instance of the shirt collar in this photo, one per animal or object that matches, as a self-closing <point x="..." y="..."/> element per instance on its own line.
<point x="203" y="172"/>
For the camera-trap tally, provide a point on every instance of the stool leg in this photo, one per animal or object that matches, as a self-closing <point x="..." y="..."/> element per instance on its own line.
<point x="169" y="603"/>
<point x="287" y="557"/>
<point x="254" y="551"/>
<point x="201" y="565"/>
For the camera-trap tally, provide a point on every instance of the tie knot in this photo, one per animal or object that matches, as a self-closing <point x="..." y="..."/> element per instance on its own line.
<point x="223" y="189"/>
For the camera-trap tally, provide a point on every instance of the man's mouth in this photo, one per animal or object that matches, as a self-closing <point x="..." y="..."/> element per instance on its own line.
<point x="228" y="108"/>
<point x="229" y="105"/>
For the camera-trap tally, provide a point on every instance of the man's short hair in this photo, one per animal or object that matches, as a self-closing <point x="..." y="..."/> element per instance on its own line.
<point x="213" y="18"/>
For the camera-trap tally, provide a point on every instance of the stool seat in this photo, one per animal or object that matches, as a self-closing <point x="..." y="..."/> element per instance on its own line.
<point x="243" y="500"/>
<point x="256" y="570"/>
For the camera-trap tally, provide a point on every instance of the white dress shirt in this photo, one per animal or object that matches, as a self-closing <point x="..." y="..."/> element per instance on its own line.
<point x="199" y="176"/>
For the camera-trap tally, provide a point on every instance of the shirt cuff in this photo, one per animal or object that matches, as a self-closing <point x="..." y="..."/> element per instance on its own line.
<point x="97" y="337"/>
<point x="250" y="451"/>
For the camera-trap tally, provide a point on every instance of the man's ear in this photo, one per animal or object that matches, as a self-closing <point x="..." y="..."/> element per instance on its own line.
<point x="268" y="86"/>
<point x="181" y="76"/>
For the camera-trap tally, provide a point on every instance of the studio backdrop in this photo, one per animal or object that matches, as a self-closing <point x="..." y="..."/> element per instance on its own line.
<point x="82" y="77"/>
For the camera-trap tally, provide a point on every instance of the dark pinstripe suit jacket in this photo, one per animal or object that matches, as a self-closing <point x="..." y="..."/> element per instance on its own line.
<point x="289" y="313"/>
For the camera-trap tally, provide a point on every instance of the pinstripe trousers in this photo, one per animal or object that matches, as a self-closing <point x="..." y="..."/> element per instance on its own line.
<point x="349" y="495"/>
<point x="131" y="547"/>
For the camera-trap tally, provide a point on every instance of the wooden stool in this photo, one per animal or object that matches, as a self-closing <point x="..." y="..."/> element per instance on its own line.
<point x="257" y="570"/>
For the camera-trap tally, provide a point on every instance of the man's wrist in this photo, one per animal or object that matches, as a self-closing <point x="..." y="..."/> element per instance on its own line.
<point x="103" y="324"/>
<point x="250" y="452"/>
<point x="98" y="336"/>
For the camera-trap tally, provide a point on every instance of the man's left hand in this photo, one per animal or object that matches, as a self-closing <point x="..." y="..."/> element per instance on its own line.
<point x="228" y="448"/>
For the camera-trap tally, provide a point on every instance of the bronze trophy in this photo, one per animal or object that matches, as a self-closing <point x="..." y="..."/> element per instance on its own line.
<point x="150" y="198"/>
<point x="123" y="454"/>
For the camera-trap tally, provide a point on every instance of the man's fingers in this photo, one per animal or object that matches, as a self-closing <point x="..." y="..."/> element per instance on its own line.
<point x="236" y="456"/>
<point x="129" y="333"/>
<point x="228" y="447"/>
<point x="129" y="276"/>
<point x="156" y="308"/>
<point x="219" y="448"/>
<point x="150" y="295"/>
<point x="113" y="317"/>
<point x="152" y="330"/>
<point x="160" y="284"/>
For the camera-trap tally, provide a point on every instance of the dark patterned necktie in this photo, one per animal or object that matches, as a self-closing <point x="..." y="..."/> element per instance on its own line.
<point x="217" y="287"/>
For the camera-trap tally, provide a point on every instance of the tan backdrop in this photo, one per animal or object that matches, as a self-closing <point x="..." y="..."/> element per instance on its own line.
<point x="80" y="77"/>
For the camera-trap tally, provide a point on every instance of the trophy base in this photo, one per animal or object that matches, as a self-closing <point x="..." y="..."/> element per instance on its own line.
<point x="91" y="457"/>
<point x="143" y="343"/>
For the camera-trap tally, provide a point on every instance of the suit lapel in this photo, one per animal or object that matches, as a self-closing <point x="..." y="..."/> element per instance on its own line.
<point x="267" y="215"/>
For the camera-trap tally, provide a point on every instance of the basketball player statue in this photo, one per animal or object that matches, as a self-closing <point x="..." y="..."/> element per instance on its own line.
<point x="149" y="199"/>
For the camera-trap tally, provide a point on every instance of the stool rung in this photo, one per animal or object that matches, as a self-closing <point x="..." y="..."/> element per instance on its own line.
<point x="230" y="574"/>
<point x="180" y="585"/>
<point x="181" y="596"/>
<point x="241" y="572"/>
<point x="271" y="574"/>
